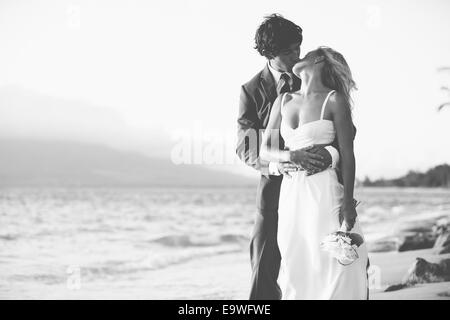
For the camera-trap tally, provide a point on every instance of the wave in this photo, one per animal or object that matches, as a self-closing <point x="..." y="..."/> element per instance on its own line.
<point x="185" y="240"/>
<point x="44" y="278"/>
<point x="152" y="262"/>
<point x="167" y="260"/>
<point x="9" y="237"/>
<point x="234" y="238"/>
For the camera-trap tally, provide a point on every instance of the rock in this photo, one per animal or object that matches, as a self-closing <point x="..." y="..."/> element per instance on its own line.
<point x="441" y="226"/>
<point x="396" y="287"/>
<point x="423" y="271"/>
<point x="442" y="230"/>
<point x="415" y="235"/>
<point x="444" y="294"/>
<point x="416" y="226"/>
<point x="442" y="244"/>
<point x="421" y="240"/>
<point x="443" y="240"/>
<point x="383" y="245"/>
<point x="444" y="250"/>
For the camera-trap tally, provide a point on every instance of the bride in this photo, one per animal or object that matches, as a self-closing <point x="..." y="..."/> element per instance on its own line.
<point x="311" y="206"/>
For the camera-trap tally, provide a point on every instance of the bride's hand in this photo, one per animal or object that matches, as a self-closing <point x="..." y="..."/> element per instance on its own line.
<point x="347" y="216"/>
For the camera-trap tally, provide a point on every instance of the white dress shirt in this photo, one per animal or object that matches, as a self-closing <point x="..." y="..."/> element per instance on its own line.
<point x="273" y="166"/>
<point x="275" y="73"/>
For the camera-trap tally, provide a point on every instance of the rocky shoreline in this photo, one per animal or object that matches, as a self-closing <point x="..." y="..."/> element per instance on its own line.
<point x="428" y="245"/>
<point x="417" y="235"/>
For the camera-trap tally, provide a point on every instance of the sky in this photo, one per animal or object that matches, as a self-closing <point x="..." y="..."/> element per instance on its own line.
<point x="169" y="68"/>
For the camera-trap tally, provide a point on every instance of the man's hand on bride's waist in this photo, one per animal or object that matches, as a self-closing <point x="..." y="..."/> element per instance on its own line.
<point x="313" y="159"/>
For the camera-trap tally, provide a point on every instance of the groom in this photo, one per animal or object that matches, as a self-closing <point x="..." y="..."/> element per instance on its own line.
<point x="279" y="40"/>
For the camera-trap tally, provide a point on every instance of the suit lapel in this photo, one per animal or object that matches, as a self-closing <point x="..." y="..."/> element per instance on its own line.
<point x="268" y="84"/>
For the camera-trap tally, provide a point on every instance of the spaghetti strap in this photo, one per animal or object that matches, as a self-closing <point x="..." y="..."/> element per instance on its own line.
<point x="325" y="103"/>
<point x="282" y="100"/>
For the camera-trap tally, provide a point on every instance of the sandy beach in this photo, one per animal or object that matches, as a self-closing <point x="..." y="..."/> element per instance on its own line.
<point x="232" y="274"/>
<point x="230" y="280"/>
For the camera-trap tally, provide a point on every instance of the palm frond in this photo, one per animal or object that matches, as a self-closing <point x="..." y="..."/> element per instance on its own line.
<point x="443" y="69"/>
<point x="445" y="104"/>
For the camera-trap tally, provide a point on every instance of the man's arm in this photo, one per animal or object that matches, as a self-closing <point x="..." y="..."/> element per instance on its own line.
<point x="248" y="141"/>
<point x="334" y="154"/>
<point x="270" y="145"/>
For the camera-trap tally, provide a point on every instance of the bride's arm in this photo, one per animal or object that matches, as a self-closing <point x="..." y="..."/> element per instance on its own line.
<point x="342" y="119"/>
<point x="270" y="145"/>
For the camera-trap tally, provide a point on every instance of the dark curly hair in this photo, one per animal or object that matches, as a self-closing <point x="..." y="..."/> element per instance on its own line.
<point x="276" y="34"/>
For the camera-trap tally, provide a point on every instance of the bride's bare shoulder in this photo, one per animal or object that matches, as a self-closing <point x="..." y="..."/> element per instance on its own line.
<point x="337" y="103"/>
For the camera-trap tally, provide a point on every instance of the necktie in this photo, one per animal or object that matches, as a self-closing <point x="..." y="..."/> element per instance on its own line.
<point x="296" y="83"/>
<point x="284" y="85"/>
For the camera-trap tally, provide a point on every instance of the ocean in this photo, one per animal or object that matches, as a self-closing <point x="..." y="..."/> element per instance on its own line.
<point x="155" y="243"/>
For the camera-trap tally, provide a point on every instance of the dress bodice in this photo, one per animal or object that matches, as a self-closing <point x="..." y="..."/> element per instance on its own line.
<point x="320" y="131"/>
<point x="316" y="132"/>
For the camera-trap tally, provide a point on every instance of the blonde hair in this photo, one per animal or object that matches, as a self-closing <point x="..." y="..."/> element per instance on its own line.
<point x="336" y="73"/>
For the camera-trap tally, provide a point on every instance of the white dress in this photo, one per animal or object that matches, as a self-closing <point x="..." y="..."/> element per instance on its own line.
<point x="308" y="211"/>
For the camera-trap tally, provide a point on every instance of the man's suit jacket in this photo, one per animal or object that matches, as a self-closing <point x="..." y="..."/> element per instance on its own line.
<point x="256" y="100"/>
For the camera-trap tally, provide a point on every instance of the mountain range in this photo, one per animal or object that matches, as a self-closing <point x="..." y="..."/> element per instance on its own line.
<point x="50" y="141"/>
<point x="64" y="163"/>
